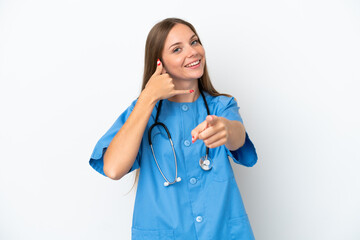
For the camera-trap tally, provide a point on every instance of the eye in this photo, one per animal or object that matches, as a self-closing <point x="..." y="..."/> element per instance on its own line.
<point x="176" y="50"/>
<point x="194" y="42"/>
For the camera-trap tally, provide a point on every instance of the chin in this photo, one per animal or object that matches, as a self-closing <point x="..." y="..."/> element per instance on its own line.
<point x="189" y="76"/>
<point x="196" y="75"/>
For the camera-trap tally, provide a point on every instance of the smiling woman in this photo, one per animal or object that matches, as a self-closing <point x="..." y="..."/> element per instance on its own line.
<point x="179" y="132"/>
<point x="184" y="56"/>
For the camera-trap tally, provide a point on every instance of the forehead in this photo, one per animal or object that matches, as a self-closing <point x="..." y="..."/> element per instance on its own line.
<point x="179" y="33"/>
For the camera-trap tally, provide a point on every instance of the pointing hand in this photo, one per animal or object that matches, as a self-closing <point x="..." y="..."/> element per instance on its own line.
<point x="213" y="131"/>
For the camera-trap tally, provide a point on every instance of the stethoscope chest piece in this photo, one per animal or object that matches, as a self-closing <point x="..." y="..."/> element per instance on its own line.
<point x="205" y="163"/>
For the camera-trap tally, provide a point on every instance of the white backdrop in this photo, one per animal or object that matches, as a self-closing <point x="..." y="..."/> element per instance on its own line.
<point x="69" y="68"/>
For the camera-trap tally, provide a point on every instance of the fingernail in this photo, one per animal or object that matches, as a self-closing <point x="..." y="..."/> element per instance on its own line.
<point x="191" y="91"/>
<point x="158" y="62"/>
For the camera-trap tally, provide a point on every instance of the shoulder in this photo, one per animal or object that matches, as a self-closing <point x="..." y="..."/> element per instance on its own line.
<point x="219" y="102"/>
<point x="133" y="103"/>
<point x="125" y="112"/>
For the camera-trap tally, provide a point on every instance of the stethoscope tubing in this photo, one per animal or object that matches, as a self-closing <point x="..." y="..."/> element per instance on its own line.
<point x="177" y="179"/>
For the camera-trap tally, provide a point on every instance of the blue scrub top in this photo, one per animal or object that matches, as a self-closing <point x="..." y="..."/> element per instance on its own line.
<point x="205" y="204"/>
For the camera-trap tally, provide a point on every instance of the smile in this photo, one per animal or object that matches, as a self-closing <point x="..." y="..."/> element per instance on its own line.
<point x="193" y="64"/>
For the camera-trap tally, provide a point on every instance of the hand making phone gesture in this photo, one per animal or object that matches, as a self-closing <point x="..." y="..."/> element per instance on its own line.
<point x="161" y="85"/>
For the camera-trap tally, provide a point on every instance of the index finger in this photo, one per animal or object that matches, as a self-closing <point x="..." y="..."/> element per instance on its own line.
<point x="198" y="129"/>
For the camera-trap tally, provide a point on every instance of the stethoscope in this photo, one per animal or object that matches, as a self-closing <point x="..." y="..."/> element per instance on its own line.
<point x="205" y="162"/>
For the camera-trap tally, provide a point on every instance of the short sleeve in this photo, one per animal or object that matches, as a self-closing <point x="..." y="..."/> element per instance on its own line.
<point x="245" y="155"/>
<point x="96" y="159"/>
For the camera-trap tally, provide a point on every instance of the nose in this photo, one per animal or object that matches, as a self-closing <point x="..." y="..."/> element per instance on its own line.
<point x="192" y="51"/>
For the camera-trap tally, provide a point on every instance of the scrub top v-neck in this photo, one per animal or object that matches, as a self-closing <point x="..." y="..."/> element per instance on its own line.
<point x="205" y="204"/>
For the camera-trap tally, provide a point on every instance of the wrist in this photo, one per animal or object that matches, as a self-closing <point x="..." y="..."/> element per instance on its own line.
<point x="236" y="133"/>
<point x="148" y="97"/>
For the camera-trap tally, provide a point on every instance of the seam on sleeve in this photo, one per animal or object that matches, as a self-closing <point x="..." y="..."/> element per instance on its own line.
<point x="223" y="105"/>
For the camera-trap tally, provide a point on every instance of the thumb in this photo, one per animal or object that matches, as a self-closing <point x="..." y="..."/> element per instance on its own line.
<point x="211" y="120"/>
<point x="159" y="68"/>
<point x="199" y="128"/>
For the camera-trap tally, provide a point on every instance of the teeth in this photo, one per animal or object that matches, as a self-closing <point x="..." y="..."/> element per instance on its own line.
<point x="193" y="64"/>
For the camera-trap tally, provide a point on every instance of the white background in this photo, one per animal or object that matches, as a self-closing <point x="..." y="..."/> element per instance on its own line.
<point x="69" y="68"/>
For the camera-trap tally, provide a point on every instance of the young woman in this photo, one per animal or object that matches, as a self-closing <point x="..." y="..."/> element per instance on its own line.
<point x="179" y="134"/>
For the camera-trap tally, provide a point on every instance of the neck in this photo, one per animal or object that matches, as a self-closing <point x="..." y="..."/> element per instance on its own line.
<point x="186" y="85"/>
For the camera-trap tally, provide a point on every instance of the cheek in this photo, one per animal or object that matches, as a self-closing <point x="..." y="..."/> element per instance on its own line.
<point x="177" y="62"/>
<point x="202" y="52"/>
<point x="173" y="64"/>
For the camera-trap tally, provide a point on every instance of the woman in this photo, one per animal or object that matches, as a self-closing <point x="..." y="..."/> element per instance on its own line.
<point x="186" y="186"/>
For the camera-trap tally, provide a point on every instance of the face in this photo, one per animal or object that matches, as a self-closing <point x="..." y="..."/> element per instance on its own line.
<point x="183" y="56"/>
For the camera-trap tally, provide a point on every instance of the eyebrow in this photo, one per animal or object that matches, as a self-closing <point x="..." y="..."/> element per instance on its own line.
<point x="180" y="42"/>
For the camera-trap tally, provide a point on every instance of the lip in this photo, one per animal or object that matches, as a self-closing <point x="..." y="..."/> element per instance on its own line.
<point x="195" y="66"/>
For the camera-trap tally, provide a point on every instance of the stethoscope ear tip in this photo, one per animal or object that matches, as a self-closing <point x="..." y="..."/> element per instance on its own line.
<point x="178" y="179"/>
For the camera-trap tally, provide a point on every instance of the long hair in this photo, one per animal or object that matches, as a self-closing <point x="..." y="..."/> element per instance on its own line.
<point x="153" y="50"/>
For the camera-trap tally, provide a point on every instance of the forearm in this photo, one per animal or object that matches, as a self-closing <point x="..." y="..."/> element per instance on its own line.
<point x="124" y="147"/>
<point x="236" y="135"/>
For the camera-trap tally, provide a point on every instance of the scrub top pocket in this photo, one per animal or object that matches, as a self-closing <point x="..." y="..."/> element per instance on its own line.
<point x="138" y="234"/>
<point x="222" y="170"/>
<point x="240" y="229"/>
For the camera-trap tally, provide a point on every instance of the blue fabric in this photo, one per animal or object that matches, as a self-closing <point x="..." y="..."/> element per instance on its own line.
<point x="205" y="204"/>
